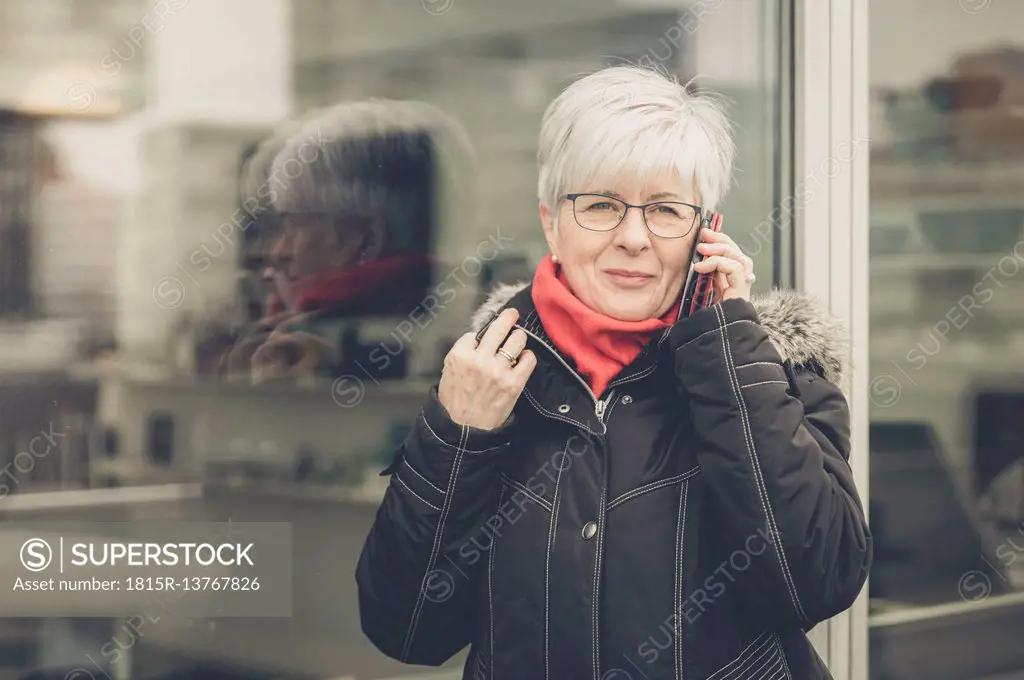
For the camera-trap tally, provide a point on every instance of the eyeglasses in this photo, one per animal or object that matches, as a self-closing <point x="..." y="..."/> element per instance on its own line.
<point x="667" y="219"/>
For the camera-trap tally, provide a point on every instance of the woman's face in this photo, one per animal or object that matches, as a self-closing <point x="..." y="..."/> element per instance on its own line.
<point x="627" y="273"/>
<point x="310" y="245"/>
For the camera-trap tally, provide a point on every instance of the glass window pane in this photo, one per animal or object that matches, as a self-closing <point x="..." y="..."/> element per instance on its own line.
<point x="947" y="331"/>
<point x="178" y="335"/>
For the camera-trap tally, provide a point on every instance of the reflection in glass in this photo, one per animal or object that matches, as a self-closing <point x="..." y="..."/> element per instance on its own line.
<point x="235" y="300"/>
<point x="947" y="335"/>
<point x="347" y="232"/>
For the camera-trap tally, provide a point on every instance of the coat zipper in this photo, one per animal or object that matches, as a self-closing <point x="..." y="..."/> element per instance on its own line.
<point x="599" y="404"/>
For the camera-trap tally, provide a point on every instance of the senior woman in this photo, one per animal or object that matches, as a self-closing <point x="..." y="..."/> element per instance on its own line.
<point x="598" y="488"/>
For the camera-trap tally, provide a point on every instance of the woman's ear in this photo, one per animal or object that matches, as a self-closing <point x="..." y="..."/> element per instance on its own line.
<point x="549" y="222"/>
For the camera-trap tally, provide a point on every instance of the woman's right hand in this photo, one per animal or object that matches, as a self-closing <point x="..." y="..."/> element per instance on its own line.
<point x="480" y="387"/>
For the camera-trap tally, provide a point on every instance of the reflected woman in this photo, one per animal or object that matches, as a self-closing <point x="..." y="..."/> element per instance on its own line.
<point x="353" y="190"/>
<point x="600" y="486"/>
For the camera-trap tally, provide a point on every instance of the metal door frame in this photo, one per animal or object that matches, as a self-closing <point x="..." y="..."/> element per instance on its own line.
<point x="831" y="140"/>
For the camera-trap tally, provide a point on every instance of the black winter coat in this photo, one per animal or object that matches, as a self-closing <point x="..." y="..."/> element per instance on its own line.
<point x="692" y="522"/>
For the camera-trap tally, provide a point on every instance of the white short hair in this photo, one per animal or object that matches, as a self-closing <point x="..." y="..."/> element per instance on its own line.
<point x="358" y="153"/>
<point x="632" y="124"/>
<point x="374" y="158"/>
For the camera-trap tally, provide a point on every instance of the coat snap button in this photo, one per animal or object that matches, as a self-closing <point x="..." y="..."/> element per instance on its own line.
<point x="589" y="529"/>
<point x="564" y="408"/>
<point x="627" y="400"/>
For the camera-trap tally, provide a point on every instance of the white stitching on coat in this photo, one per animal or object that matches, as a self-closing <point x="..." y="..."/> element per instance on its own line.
<point x="595" y="607"/>
<point x="765" y="382"/>
<point x="762" y="659"/>
<point x="782" y="653"/>
<point x="713" y="330"/>
<point x="765" y="660"/>
<point x="409" y="489"/>
<point x="418" y="608"/>
<point x="755" y="463"/>
<point x="653" y="486"/>
<point x="728" y="668"/>
<point x="680" y="545"/>
<point x="543" y="502"/>
<point x="461" y="437"/>
<point x="547" y="572"/>
<point x="533" y="400"/>
<point x="761" y="363"/>
<point x="490" y="586"/>
<point x="633" y="378"/>
<point x="416" y="472"/>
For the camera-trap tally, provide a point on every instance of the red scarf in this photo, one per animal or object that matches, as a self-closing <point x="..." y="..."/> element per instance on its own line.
<point x="600" y="345"/>
<point x="337" y="288"/>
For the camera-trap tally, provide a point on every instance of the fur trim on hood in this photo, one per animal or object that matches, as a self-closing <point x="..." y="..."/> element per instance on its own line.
<point x="796" y="324"/>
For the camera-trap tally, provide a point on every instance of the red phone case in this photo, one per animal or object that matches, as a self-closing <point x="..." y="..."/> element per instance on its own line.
<point x="700" y="289"/>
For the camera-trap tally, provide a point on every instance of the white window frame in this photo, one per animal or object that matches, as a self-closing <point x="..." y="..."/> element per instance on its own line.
<point x="831" y="235"/>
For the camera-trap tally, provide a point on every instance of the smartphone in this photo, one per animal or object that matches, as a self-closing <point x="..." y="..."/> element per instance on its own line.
<point x="699" y="290"/>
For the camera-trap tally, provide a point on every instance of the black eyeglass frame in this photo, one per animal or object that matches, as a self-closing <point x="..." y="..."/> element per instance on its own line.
<point x="697" y="212"/>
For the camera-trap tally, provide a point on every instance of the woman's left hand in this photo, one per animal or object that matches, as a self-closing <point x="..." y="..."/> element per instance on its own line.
<point x="289" y="354"/>
<point x="734" y="271"/>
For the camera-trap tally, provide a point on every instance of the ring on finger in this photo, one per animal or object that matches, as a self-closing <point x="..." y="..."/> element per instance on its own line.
<point x="747" y="266"/>
<point x="744" y="275"/>
<point x="749" y="269"/>
<point x="512" y="361"/>
<point x="736" y="272"/>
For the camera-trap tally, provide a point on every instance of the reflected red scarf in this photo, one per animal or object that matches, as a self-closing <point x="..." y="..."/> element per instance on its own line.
<point x="600" y="345"/>
<point x="337" y="288"/>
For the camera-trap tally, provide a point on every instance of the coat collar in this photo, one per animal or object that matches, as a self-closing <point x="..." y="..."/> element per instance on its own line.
<point x="801" y="331"/>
